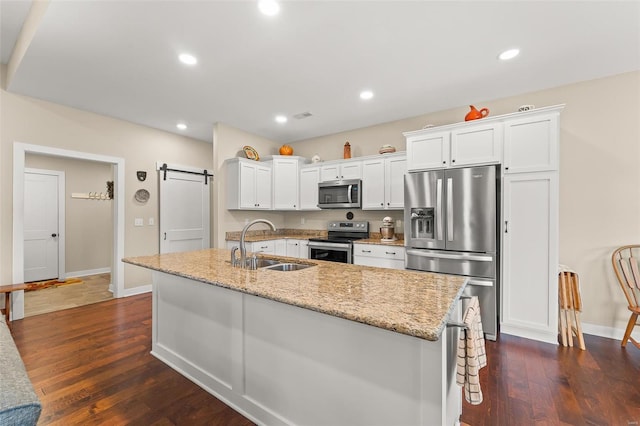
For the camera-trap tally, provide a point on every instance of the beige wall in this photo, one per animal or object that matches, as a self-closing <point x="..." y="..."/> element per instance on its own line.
<point x="599" y="175"/>
<point x="228" y="143"/>
<point x="37" y="122"/>
<point x="88" y="223"/>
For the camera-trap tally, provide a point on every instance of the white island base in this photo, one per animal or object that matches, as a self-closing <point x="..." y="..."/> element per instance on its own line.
<point x="280" y="364"/>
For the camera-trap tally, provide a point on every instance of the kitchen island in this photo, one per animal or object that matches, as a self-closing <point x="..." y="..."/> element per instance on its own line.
<point x="331" y="344"/>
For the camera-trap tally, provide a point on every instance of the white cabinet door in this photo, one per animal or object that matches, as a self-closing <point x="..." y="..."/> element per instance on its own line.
<point x="267" y="247"/>
<point x="263" y="188"/>
<point x="395" y="168"/>
<point x="248" y="185"/>
<point x="478" y="144"/>
<point x="285" y="184"/>
<point x="293" y="248"/>
<point x="430" y="151"/>
<point x="303" y="251"/>
<point x="382" y="256"/>
<point x="351" y="170"/>
<point x="309" y="179"/>
<point x="281" y="247"/>
<point x="247" y="189"/>
<point x="530" y="256"/>
<point x="531" y="144"/>
<point x="330" y="172"/>
<point x="373" y="184"/>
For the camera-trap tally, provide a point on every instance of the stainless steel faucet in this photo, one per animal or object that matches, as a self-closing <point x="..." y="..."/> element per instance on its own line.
<point x="243" y="249"/>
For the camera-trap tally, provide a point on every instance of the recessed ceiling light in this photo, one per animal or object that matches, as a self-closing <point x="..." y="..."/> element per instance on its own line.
<point x="181" y="126"/>
<point x="188" y="59"/>
<point x="509" y="54"/>
<point x="281" y="119"/>
<point x="366" y="94"/>
<point x="269" y="7"/>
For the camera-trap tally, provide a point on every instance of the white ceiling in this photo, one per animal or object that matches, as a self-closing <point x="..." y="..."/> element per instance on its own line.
<point x="119" y="58"/>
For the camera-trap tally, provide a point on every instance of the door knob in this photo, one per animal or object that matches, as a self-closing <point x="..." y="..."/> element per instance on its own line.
<point x="54" y="235"/>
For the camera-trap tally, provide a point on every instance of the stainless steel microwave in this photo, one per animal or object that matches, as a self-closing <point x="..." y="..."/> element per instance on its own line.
<point x="340" y="194"/>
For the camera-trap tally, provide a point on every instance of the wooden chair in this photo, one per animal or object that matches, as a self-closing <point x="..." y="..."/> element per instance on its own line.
<point x="625" y="265"/>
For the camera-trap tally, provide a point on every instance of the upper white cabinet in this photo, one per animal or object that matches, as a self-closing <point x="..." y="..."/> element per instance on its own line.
<point x="476" y="145"/>
<point x="428" y="150"/>
<point x="285" y="172"/>
<point x="248" y="185"/>
<point x="531" y="143"/>
<point x="309" y="179"/>
<point x="383" y="182"/>
<point x="349" y="169"/>
<point x="467" y="145"/>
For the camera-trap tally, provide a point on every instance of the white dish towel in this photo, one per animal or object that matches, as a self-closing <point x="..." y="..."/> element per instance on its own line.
<point x="471" y="354"/>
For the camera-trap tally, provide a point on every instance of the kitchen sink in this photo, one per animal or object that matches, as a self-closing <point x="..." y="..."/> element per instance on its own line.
<point x="287" y="267"/>
<point x="266" y="262"/>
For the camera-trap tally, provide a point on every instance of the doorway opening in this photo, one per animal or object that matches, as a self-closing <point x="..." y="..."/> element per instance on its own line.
<point x="117" y="235"/>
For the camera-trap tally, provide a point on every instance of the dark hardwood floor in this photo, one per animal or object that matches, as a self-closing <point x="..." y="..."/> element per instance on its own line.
<point x="91" y="365"/>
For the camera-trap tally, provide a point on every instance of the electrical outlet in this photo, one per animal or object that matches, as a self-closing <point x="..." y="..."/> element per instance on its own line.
<point x="138" y="222"/>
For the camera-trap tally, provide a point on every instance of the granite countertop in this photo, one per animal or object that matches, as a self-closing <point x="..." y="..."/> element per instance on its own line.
<point x="266" y="235"/>
<point x="378" y="241"/>
<point x="408" y="302"/>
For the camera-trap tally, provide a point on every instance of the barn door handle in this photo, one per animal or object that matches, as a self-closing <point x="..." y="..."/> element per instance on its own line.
<point x="54" y="235"/>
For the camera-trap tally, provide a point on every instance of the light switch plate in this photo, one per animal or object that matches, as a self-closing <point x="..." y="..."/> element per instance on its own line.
<point x="152" y="221"/>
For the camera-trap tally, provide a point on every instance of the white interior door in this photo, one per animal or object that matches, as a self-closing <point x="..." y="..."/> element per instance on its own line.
<point x="184" y="211"/>
<point x="43" y="234"/>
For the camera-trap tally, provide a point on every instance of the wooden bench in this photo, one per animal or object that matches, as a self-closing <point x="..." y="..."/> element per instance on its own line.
<point x="7" y="290"/>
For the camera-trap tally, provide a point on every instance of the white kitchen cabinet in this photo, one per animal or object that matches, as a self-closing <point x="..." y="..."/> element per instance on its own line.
<point x="285" y="170"/>
<point x="280" y="247"/>
<point x="531" y="143"/>
<point x="382" y="256"/>
<point x="468" y="144"/>
<point x="530" y="256"/>
<point x="303" y="250"/>
<point x="293" y="247"/>
<point x="309" y="179"/>
<point x="383" y="182"/>
<point x="427" y="150"/>
<point x="266" y="247"/>
<point x="349" y="169"/>
<point x="248" y="185"/>
<point x="477" y="144"/>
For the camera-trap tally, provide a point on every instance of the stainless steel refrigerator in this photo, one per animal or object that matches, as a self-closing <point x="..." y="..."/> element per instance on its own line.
<point x="450" y="227"/>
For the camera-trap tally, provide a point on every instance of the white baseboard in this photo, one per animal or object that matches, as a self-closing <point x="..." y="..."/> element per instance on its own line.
<point x="608" y="332"/>
<point x="137" y="290"/>
<point x="88" y="272"/>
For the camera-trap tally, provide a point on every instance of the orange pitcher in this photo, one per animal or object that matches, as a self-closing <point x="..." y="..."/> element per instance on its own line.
<point x="474" y="114"/>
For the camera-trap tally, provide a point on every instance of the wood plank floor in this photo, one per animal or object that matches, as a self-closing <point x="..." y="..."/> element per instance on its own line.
<point x="93" y="289"/>
<point x="91" y="365"/>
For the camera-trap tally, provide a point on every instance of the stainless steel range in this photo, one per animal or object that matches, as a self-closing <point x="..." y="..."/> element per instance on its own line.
<point x="338" y="246"/>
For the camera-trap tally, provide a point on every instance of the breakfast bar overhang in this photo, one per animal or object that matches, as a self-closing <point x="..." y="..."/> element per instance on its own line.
<point x="332" y="344"/>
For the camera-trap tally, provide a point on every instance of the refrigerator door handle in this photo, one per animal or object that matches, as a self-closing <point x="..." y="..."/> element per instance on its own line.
<point x="449" y="209"/>
<point x="473" y="257"/>
<point x="439" y="206"/>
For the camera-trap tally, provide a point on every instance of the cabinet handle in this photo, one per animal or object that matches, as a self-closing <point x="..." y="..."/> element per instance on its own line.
<point x="444" y="162"/>
<point x="506" y="226"/>
<point x="388" y="203"/>
<point x="294" y="206"/>
<point x="506" y="168"/>
<point x="264" y="247"/>
<point x="165" y="236"/>
<point x="453" y="161"/>
<point x="382" y="204"/>
<point x="390" y="252"/>
<point x="366" y="251"/>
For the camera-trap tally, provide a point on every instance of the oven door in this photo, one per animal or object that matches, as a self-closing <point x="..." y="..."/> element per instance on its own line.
<point x="333" y="252"/>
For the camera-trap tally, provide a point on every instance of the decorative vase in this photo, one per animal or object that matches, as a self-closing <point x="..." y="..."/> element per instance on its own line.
<point x="347" y="150"/>
<point x="474" y="114"/>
